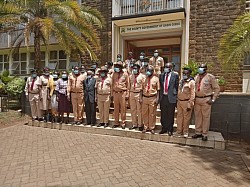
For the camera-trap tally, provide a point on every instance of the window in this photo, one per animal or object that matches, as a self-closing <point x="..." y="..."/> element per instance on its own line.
<point x="19" y="65"/>
<point x="4" y="64"/>
<point x="58" y="60"/>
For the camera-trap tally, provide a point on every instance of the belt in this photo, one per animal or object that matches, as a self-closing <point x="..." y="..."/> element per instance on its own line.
<point x="204" y="96"/>
<point x="135" y="92"/>
<point x="119" y="91"/>
<point x="103" y="94"/>
<point x="149" y="96"/>
<point x="76" y="92"/>
<point x="183" y="100"/>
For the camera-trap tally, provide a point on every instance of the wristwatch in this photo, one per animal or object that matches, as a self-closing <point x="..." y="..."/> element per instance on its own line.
<point x="213" y="100"/>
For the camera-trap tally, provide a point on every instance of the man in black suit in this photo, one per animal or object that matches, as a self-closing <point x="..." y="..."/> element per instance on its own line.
<point x="90" y="98"/>
<point x="169" y="82"/>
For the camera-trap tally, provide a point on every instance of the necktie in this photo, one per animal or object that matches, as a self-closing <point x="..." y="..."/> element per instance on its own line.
<point x="32" y="84"/>
<point x="166" y="84"/>
<point x="148" y="88"/>
<point x="135" y="80"/>
<point x="102" y="82"/>
<point x="199" y="85"/>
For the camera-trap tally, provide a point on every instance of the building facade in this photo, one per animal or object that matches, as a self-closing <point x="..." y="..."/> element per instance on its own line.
<point x="179" y="29"/>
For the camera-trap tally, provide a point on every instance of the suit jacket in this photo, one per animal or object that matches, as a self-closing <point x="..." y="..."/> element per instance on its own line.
<point x="172" y="86"/>
<point x="89" y="89"/>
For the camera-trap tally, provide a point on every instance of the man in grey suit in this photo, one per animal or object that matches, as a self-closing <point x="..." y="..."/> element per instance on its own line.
<point x="90" y="98"/>
<point x="169" y="82"/>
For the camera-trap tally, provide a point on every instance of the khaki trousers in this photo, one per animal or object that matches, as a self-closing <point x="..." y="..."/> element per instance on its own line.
<point x="119" y="107"/>
<point x="77" y="103"/>
<point x="136" y="109"/>
<point x="149" y="112"/>
<point x="183" y="117"/>
<point x="34" y="100"/>
<point x="103" y="102"/>
<point x="202" y="112"/>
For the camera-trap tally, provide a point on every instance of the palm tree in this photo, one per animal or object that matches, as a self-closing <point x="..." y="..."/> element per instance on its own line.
<point x="74" y="27"/>
<point x="235" y="43"/>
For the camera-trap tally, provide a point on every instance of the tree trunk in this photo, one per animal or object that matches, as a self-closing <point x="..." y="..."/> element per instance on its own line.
<point x="37" y="50"/>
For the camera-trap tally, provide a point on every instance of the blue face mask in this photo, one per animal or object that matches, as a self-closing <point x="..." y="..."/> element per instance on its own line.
<point x="144" y="63"/>
<point x="135" y="71"/>
<point x="34" y="75"/>
<point x="167" y="70"/>
<point x="149" y="73"/>
<point x="185" y="77"/>
<point x="94" y="66"/>
<point x="55" y="76"/>
<point x="201" y="70"/>
<point x="119" y="59"/>
<point x="117" y="70"/>
<point x="102" y="74"/>
<point x="64" y="76"/>
<point x="141" y="57"/>
<point x="76" y="72"/>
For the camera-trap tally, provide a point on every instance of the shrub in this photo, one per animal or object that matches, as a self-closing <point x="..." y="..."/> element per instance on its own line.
<point x="15" y="87"/>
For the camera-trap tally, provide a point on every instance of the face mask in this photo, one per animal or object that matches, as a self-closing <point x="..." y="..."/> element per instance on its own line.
<point x="76" y="72"/>
<point x="89" y="77"/>
<point x="135" y="71"/>
<point x="149" y="73"/>
<point x="46" y="74"/>
<point x="55" y="76"/>
<point x="117" y="70"/>
<point x="83" y="71"/>
<point x="119" y="59"/>
<point x="156" y="54"/>
<point x="141" y="57"/>
<point x="131" y="65"/>
<point x="94" y="66"/>
<point x="64" y="76"/>
<point x="185" y="77"/>
<point x="102" y="74"/>
<point x="34" y="75"/>
<point x="167" y="70"/>
<point x="201" y="70"/>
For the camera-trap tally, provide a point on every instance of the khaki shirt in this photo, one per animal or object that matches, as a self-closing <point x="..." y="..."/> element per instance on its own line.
<point x="120" y="81"/>
<point x="136" y="82"/>
<point x="186" y="91"/>
<point x="151" y="86"/>
<point x="104" y="88"/>
<point x="75" y="84"/>
<point x="157" y="62"/>
<point x="206" y="86"/>
<point x="36" y="86"/>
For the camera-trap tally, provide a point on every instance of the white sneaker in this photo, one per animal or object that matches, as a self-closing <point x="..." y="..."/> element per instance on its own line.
<point x="185" y="135"/>
<point x="177" y="134"/>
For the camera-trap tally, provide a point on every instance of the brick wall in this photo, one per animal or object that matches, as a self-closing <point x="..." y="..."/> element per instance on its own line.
<point x="105" y="7"/>
<point x="209" y="19"/>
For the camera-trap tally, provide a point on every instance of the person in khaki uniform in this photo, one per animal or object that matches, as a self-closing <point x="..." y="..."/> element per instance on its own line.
<point x="185" y="103"/>
<point x="144" y="64"/>
<point x="75" y="93"/>
<point x="136" y="81"/>
<point x="103" y="91"/>
<point x="157" y="62"/>
<point x="120" y="87"/>
<point x="206" y="92"/>
<point x="151" y="88"/>
<point x="32" y="92"/>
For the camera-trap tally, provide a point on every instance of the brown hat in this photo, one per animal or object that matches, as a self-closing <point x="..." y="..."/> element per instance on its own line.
<point x="103" y="68"/>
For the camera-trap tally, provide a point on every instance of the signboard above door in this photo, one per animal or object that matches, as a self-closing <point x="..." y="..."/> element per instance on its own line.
<point x="151" y="27"/>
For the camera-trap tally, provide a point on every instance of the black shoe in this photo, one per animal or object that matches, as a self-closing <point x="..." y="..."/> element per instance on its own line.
<point x="115" y="126"/>
<point x="141" y="128"/>
<point x="78" y="123"/>
<point x="123" y="126"/>
<point x="100" y="124"/>
<point x="197" y="136"/>
<point x="163" y="132"/>
<point x="40" y="119"/>
<point x="105" y="125"/>
<point x="170" y="133"/>
<point x="133" y="127"/>
<point x="92" y="124"/>
<point x="204" y="138"/>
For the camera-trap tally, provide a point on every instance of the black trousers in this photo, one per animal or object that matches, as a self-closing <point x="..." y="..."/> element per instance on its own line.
<point x="90" y="110"/>
<point x="167" y="114"/>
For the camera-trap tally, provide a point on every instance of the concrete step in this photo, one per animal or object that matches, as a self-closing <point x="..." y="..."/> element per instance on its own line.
<point x="215" y="139"/>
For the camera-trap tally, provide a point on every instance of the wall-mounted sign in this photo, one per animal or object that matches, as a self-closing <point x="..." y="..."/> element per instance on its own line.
<point x="151" y="27"/>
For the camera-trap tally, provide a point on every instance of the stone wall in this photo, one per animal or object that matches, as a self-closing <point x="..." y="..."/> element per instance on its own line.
<point x="105" y="35"/>
<point x="209" y="20"/>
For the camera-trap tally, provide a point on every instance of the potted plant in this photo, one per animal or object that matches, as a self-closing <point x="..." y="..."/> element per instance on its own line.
<point x="222" y="82"/>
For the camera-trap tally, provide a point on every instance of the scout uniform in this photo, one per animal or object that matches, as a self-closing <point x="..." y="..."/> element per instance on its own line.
<point x="206" y="88"/>
<point x="45" y="103"/>
<point x="120" y="83"/>
<point x="157" y="63"/>
<point x="151" y="86"/>
<point x="103" y="89"/>
<point x="32" y="90"/>
<point x="75" y="91"/>
<point x="136" y="82"/>
<point x="186" y="96"/>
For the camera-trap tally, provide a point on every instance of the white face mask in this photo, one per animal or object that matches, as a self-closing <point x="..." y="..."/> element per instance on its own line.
<point x="156" y="54"/>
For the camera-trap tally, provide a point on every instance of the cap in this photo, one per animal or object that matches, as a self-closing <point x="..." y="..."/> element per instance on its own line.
<point x="156" y="51"/>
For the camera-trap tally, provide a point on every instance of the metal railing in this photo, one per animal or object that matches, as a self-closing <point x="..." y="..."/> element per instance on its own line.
<point x="132" y="7"/>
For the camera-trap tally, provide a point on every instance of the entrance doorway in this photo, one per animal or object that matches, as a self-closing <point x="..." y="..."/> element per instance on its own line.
<point x="170" y="53"/>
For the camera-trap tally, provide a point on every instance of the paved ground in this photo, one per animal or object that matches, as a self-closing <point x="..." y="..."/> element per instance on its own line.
<point x="31" y="157"/>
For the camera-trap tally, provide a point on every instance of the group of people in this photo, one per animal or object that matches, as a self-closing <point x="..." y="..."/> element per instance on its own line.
<point x="143" y="83"/>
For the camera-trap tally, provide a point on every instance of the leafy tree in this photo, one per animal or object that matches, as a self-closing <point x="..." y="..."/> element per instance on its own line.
<point x="235" y="43"/>
<point x="74" y="27"/>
